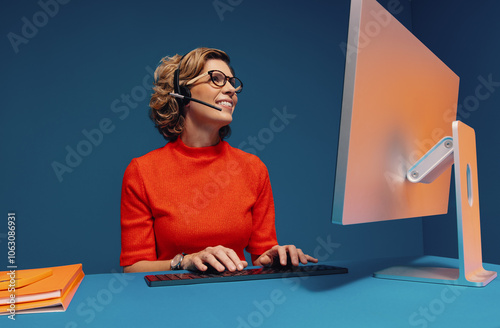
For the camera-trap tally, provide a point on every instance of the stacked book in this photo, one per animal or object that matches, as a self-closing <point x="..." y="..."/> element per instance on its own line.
<point x="39" y="290"/>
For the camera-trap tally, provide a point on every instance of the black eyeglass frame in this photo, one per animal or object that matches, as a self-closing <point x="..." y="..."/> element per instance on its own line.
<point x="226" y="79"/>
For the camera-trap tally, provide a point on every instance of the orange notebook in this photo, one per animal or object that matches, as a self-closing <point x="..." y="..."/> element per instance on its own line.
<point x="41" y="290"/>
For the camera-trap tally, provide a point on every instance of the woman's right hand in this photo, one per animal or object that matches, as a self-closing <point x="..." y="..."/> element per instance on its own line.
<point x="218" y="257"/>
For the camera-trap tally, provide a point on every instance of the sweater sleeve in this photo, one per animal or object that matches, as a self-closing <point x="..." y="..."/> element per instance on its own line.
<point x="263" y="235"/>
<point x="137" y="234"/>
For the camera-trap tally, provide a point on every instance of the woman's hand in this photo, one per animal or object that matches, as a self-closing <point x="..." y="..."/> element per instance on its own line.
<point x="219" y="257"/>
<point x="280" y="255"/>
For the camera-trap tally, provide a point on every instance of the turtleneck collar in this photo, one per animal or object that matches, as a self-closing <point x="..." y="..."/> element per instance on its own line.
<point x="198" y="152"/>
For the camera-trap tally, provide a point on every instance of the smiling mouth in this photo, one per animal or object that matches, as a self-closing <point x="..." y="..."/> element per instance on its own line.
<point x="225" y="103"/>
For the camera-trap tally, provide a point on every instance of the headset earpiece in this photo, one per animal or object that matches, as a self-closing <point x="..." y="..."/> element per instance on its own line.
<point x="185" y="92"/>
<point x="181" y="90"/>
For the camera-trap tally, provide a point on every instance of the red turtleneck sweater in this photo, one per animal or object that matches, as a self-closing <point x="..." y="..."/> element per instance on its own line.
<point x="180" y="199"/>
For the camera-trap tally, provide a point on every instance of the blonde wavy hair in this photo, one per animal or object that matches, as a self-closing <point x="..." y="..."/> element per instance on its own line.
<point x="164" y="108"/>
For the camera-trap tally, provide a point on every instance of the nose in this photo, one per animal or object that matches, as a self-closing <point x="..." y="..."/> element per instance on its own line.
<point x="228" y="89"/>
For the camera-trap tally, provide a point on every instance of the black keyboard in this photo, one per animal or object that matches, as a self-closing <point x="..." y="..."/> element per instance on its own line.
<point x="174" y="279"/>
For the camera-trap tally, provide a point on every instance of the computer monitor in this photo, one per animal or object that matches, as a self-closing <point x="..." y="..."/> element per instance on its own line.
<point x="398" y="140"/>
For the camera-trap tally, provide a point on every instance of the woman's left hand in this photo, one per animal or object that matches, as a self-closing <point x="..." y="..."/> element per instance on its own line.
<point x="280" y="255"/>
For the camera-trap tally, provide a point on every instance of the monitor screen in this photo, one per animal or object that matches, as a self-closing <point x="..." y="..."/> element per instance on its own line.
<point x="399" y="100"/>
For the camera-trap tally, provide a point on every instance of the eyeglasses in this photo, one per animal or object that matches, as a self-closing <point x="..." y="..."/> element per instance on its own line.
<point x="220" y="79"/>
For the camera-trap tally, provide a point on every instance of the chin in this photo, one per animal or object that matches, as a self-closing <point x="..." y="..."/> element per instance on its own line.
<point x="226" y="117"/>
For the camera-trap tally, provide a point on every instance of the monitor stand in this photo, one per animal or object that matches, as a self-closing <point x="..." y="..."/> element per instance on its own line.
<point x="462" y="148"/>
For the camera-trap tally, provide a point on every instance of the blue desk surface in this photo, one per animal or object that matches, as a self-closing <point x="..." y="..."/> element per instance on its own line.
<point x="350" y="300"/>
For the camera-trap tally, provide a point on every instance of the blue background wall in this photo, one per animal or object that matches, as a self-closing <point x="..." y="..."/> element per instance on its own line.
<point x="90" y="65"/>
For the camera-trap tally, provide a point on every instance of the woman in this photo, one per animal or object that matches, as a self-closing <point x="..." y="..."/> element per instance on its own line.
<point x="197" y="202"/>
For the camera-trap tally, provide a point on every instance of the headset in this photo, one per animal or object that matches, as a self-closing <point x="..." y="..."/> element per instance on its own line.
<point x="182" y="93"/>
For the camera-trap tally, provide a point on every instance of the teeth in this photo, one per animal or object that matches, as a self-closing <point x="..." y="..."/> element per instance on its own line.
<point x="225" y="103"/>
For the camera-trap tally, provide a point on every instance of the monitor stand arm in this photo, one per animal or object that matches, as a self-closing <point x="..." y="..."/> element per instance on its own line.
<point x="460" y="150"/>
